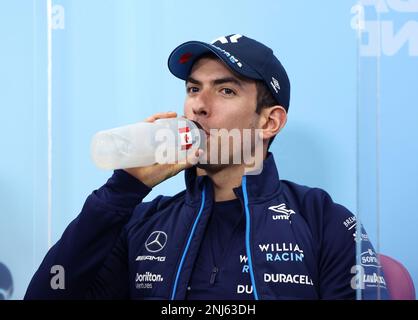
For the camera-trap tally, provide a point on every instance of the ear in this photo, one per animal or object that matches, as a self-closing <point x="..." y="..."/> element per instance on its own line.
<point x="272" y="120"/>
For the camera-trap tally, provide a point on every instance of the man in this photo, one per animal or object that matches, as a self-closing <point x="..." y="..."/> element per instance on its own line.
<point x="229" y="235"/>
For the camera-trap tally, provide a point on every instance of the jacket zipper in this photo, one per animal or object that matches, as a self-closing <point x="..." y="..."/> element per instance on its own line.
<point x="213" y="275"/>
<point x="247" y="235"/>
<point x="189" y="240"/>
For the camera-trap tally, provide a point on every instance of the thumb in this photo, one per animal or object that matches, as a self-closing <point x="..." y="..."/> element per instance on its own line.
<point x="192" y="158"/>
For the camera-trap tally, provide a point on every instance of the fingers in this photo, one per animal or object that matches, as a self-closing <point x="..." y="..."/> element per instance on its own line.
<point x="161" y="115"/>
<point x="171" y="169"/>
<point x="192" y="158"/>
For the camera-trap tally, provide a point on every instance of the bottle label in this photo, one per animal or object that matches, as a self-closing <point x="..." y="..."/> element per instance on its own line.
<point x="185" y="138"/>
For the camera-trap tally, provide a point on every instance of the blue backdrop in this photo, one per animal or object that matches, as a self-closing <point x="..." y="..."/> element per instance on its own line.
<point x="351" y="122"/>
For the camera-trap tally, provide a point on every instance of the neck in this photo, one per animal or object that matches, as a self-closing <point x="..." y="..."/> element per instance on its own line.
<point x="224" y="180"/>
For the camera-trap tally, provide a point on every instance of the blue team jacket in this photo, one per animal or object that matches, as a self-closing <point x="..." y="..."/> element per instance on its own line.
<point x="299" y="244"/>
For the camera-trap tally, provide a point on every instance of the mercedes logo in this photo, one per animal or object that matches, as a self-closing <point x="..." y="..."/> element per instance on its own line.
<point x="156" y="241"/>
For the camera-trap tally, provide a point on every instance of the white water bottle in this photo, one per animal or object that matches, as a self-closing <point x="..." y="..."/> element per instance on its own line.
<point x="146" y="143"/>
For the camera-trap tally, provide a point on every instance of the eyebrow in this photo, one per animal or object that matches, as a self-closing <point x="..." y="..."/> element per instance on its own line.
<point x="217" y="81"/>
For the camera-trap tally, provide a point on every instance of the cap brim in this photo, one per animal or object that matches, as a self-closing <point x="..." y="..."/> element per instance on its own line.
<point x="181" y="60"/>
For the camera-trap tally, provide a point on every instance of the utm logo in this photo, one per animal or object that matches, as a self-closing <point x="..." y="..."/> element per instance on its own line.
<point x="156" y="241"/>
<point x="284" y="213"/>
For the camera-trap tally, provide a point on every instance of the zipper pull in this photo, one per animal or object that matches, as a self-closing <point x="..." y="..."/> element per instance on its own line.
<point x="213" y="275"/>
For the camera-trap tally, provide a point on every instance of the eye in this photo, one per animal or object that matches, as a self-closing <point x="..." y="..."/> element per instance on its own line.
<point x="228" y="91"/>
<point x="192" y="89"/>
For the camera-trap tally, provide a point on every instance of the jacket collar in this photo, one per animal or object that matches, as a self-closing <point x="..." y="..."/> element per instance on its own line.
<point x="259" y="187"/>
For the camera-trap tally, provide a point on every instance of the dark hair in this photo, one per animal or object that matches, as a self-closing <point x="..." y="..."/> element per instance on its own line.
<point x="264" y="97"/>
<point x="264" y="100"/>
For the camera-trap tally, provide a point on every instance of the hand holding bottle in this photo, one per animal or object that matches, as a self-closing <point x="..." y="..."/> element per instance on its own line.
<point x="133" y="148"/>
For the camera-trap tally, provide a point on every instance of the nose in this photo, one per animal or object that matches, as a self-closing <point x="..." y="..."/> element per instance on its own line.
<point x="201" y="105"/>
<point x="200" y="110"/>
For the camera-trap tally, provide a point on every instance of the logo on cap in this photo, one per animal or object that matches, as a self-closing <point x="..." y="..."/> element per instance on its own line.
<point x="275" y="84"/>
<point x="185" y="57"/>
<point x="232" y="39"/>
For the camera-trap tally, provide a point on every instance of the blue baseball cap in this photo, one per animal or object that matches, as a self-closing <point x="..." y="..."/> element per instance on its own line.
<point x="241" y="54"/>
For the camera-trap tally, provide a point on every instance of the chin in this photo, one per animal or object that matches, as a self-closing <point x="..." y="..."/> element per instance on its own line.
<point x="211" y="167"/>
